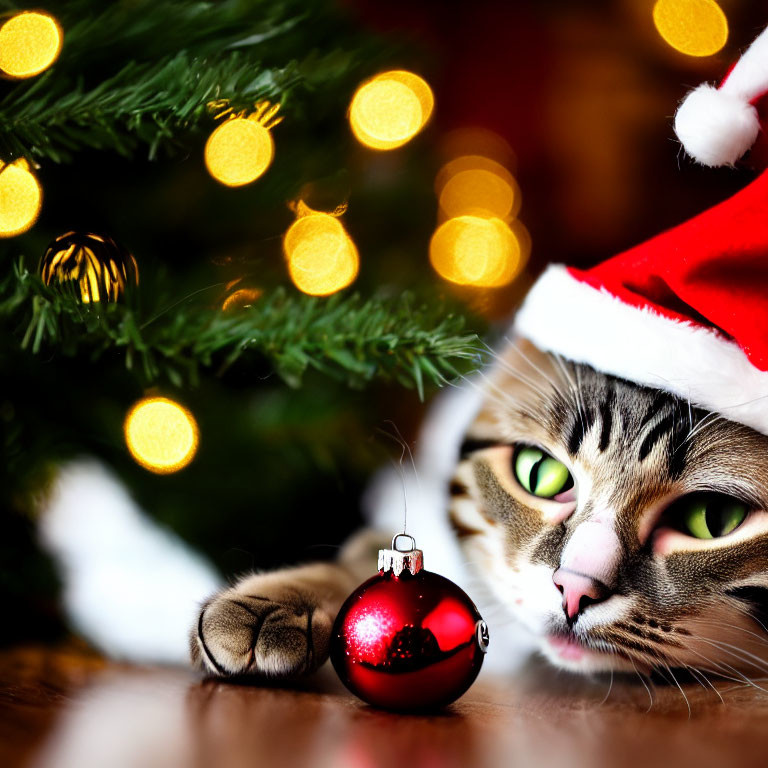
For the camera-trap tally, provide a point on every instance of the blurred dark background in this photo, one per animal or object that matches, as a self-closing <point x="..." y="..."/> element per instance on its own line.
<point x="583" y="94"/>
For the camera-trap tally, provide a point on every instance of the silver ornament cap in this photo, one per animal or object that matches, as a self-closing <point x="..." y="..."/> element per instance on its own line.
<point x="401" y="557"/>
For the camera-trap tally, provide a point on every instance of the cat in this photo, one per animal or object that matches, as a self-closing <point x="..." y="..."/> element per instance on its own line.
<point x="622" y="527"/>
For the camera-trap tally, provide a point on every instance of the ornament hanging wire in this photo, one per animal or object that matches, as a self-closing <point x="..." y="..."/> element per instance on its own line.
<point x="400" y="440"/>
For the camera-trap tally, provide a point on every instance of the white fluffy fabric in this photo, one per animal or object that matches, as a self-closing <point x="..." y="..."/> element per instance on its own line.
<point x="716" y="127"/>
<point x="568" y="317"/>
<point x="131" y="587"/>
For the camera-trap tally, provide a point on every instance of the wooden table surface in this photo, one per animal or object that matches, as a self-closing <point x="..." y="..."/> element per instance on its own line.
<point x="67" y="708"/>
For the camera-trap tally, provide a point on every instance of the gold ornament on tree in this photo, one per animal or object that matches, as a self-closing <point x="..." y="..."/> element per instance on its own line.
<point x="94" y="266"/>
<point x="241" y="148"/>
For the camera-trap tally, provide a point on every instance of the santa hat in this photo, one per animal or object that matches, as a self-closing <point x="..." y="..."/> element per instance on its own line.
<point x="687" y="311"/>
<point x="717" y="126"/>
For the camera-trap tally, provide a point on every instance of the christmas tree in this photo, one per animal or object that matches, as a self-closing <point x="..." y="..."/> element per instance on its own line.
<point x="146" y="262"/>
<point x="246" y="216"/>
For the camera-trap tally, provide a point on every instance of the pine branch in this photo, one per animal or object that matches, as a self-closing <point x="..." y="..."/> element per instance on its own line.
<point x="343" y="337"/>
<point x="143" y="104"/>
<point x="141" y="73"/>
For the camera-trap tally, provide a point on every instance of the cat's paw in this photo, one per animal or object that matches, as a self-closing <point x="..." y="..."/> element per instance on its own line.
<point x="268" y="632"/>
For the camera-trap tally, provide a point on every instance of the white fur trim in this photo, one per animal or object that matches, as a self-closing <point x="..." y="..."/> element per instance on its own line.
<point x="749" y="77"/>
<point x="568" y="317"/>
<point x="717" y="126"/>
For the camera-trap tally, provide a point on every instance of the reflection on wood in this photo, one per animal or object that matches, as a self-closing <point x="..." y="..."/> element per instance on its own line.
<point x="66" y="709"/>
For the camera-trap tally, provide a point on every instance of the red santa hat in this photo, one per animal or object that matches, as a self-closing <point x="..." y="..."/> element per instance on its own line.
<point x="718" y="125"/>
<point x="687" y="311"/>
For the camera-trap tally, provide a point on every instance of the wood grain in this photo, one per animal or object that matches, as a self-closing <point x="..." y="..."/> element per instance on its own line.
<point x="67" y="708"/>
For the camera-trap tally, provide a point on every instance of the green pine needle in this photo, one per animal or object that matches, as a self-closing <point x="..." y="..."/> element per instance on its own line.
<point x="143" y="104"/>
<point x="344" y="337"/>
<point x="119" y="85"/>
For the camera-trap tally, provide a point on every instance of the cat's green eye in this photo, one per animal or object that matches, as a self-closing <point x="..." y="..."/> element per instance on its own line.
<point x="710" y="515"/>
<point x="540" y="474"/>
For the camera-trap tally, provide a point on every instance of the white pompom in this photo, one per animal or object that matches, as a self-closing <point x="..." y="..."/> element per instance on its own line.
<point x="716" y="127"/>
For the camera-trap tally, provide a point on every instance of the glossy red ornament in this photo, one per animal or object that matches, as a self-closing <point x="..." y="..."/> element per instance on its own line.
<point x="408" y="639"/>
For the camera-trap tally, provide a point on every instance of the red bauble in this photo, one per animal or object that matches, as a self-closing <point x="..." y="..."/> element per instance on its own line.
<point x="408" y="639"/>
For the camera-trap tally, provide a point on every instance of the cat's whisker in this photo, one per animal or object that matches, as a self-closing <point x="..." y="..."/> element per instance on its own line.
<point x="518" y="350"/>
<point x="565" y="374"/>
<point x="690" y="415"/>
<point x="727" y="625"/>
<point x="720" y="665"/>
<point x="692" y="671"/>
<point x="698" y="674"/>
<point x="710" y="418"/>
<point x="741" y="679"/>
<point x="679" y="687"/>
<point x="645" y="685"/>
<point x="739" y="606"/>
<point x="563" y="367"/>
<point x="505" y="401"/>
<point x="610" y="688"/>
<point x="739" y="653"/>
<point x="514" y="372"/>
<point x="491" y="392"/>
<point x="532" y="384"/>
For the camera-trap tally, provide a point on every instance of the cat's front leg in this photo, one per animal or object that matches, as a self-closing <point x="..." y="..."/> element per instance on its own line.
<point x="278" y="624"/>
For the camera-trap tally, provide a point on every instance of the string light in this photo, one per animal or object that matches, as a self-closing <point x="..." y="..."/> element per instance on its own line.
<point x="693" y="27"/>
<point x="29" y="43"/>
<point x="161" y="435"/>
<point x="476" y="185"/>
<point x="321" y="256"/>
<point x="20" y="198"/>
<point x="241" y="149"/>
<point x="388" y="110"/>
<point x="479" y="251"/>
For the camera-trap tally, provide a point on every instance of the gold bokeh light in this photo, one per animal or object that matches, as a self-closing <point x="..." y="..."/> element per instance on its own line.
<point x="479" y="251"/>
<point x="476" y="141"/>
<point x="476" y="185"/>
<point x="161" y="435"/>
<point x="693" y="27"/>
<point x="321" y="256"/>
<point x="388" y="110"/>
<point x="29" y="43"/>
<point x="239" y="151"/>
<point x="20" y="198"/>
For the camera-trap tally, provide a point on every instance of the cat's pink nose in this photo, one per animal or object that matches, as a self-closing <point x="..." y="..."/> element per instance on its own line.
<point x="578" y="592"/>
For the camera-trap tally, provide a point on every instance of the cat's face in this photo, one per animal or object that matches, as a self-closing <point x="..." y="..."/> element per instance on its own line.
<point x="624" y="528"/>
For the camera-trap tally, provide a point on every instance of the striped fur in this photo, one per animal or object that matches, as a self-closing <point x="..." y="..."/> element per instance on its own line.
<point x="671" y="602"/>
<point x="678" y="602"/>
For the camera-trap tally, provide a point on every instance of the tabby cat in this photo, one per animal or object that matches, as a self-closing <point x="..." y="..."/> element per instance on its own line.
<point x="622" y="526"/>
